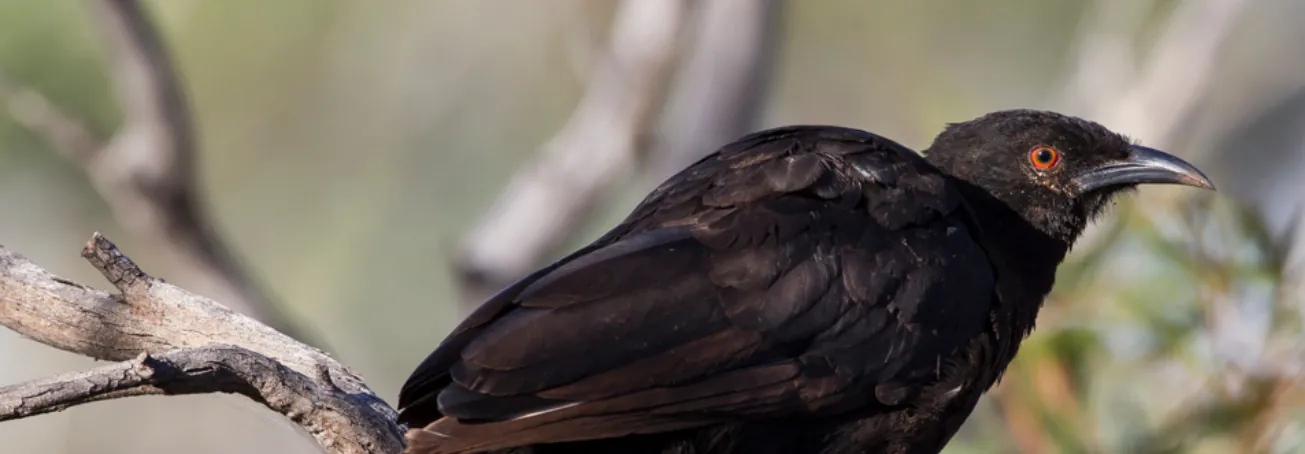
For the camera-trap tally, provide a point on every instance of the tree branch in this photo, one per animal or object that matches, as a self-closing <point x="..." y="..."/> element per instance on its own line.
<point x="30" y="109"/>
<point x="187" y="371"/>
<point x="176" y="342"/>
<point x="546" y="200"/>
<point x="1147" y="103"/>
<point x="720" y="92"/>
<point x="716" y="97"/>
<point x="147" y="172"/>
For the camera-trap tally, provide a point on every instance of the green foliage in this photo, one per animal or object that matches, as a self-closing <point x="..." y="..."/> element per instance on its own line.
<point x="1179" y="353"/>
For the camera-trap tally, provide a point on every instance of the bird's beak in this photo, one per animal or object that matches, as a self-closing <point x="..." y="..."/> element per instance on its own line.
<point x="1143" y="166"/>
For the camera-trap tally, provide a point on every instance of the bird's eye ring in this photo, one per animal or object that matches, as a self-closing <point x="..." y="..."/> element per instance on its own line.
<point x="1044" y="157"/>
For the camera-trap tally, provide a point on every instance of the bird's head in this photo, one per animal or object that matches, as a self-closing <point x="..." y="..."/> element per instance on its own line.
<point x="1056" y="171"/>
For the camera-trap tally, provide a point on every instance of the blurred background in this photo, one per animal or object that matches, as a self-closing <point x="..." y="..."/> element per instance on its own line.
<point x="362" y="173"/>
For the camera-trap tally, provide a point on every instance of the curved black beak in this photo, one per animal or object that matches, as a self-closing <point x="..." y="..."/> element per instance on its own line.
<point x="1143" y="166"/>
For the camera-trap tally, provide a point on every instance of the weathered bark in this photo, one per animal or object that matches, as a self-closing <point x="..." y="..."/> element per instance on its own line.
<point x="176" y="342"/>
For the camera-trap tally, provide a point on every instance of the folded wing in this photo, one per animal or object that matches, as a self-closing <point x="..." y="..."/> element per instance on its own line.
<point x="798" y="271"/>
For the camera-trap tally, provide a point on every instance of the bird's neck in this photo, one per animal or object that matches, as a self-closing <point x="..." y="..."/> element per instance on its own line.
<point x="1024" y="256"/>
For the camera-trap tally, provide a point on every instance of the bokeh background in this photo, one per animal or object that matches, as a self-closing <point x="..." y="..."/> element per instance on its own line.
<point x="367" y="163"/>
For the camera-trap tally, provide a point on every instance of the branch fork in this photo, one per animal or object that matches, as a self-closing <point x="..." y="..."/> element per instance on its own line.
<point x="171" y="342"/>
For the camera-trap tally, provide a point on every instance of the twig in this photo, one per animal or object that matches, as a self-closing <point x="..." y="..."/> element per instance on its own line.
<point x="188" y="371"/>
<point x="146" y="171"/>
<point x="30" y="109"/>
<point x="546" y="200"/>
<point x="193" y="345"/>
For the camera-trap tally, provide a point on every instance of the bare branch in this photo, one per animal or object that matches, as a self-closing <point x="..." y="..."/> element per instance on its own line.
<point x="191" y="371"/>
<point x="146" y="171"/>
<point x="545" y="201"/>
<point x="193" y="345"/>
<point x="719" y="94"/>
<point x="716" y="97"/>
<point x="31" y="110"/>
<point x="1150" y="102"/>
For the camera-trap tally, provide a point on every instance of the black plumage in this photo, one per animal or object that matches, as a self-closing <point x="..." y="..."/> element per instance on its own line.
<point x="805" y="289"/>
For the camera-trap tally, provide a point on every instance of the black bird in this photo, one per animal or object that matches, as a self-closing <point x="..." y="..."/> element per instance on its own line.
<point x="805" y="289"/>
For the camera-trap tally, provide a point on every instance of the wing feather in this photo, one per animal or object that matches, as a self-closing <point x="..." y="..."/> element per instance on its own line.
<point x="800" y="270"/>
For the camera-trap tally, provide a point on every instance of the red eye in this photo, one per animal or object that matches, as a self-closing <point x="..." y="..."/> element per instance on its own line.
<point x="1044" y="157"/>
